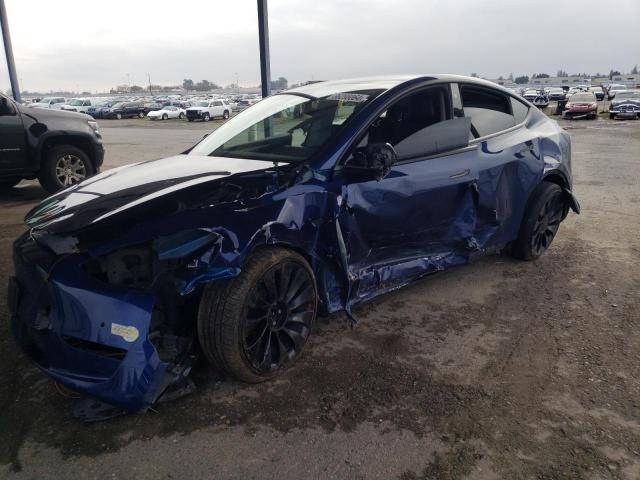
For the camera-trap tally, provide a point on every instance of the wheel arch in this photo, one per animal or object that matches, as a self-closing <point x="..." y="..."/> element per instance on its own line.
<point x="77" y="141"/>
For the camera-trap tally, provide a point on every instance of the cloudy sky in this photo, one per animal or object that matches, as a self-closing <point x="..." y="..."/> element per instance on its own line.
<point x="93" y="45"/>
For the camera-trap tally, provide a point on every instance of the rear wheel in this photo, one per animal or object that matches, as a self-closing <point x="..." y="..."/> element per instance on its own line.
<point x="140" y="114"/>
<point x="63" y="166"/>
<point x="611" y="116"/>
<point x="206" y="117"/>
<point x="165" y="116"/>
<point x="255" y="325"/>
<point x="181" y="116"/>
<point x="225" y="115"/>
<point x="545" y="210"/>
<point x="119" y="116"/>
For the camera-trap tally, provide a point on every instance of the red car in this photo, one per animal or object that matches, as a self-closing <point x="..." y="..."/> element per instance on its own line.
<point x="581" y="105"/>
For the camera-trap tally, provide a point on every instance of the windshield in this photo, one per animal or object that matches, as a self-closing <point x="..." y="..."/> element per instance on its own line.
<point x="46" y="100"/>
<point x="583" y="97"/>
<point x="117" y="105"/>
<point x="203" y="103"/>
<point x="75" y="103"/>
<point x="627" y="95"/>
<point x="287" y="127"/>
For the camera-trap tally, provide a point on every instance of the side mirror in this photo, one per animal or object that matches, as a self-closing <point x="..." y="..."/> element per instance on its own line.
<point x="372" y="162"/>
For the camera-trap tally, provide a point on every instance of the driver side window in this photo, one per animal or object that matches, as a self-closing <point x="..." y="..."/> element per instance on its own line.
<point x="416" y="125"/>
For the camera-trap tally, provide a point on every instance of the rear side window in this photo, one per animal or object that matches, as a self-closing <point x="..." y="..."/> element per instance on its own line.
<point x="520" y="110"/>
<point x="488" y="109"/>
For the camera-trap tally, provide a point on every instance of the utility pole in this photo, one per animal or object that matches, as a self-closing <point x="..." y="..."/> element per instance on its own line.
<point x="263" y="37"/>
<point x="8" y="51"/>
<point x="150" y="92"/>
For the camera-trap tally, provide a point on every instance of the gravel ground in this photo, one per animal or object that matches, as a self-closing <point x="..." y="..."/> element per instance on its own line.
<point x="501" y="369"/>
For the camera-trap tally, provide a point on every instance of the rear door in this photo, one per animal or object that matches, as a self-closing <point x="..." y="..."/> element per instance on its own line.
<point x="508" y="160"/>
<point x="12" y="140"/>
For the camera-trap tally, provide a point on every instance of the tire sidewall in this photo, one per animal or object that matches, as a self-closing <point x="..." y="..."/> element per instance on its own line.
<point x="229" y="326"/>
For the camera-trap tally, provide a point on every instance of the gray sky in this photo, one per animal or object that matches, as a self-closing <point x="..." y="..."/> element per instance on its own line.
<point x="63" y="44"/>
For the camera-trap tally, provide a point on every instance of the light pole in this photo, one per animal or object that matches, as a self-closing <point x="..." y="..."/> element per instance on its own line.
<point x="263" y="37"/>
<point x="8" y="50"/>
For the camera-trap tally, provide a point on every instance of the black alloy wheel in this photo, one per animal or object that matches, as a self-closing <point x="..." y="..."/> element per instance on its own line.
<point x="254" y="326"/>
<point x="547" y="224"/>
<point x="546" y="209"/>
<point x="279" y="316"/>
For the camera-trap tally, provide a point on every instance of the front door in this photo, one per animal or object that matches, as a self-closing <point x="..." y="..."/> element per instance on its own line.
<point x="12" y="139"/>
<point x="422" y="216"/>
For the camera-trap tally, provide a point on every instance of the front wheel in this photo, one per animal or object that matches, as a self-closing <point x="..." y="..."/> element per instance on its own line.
<point x="118" y="116"/>
<point x="206" y="117"/>
<point x="225" y="115"/>
<point x="140" y="114"/>
<point x="546" y="208"/>
<point x="255" y="325"/>
<point x="181" y="116"/>
<point x="165" y="116"/>
<point x="63" y="166"/>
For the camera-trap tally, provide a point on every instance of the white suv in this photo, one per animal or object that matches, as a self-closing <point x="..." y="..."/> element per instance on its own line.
<point x="77" y="105"/>
<point x="49" y="102"/>
<point x="208" y="109"/>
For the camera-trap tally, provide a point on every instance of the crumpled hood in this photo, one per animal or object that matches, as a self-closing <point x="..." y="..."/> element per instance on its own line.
<point x="124" y="189"/>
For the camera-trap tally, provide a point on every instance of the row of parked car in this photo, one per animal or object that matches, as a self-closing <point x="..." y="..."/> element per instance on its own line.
<point x="157" y="109"/>
<point x="582" y="101"/>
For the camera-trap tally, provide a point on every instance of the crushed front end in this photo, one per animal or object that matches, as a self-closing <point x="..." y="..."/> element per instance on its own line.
<point x="106" y="325"/>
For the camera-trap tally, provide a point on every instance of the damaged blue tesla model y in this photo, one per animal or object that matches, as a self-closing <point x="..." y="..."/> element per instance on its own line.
<point x="309" y="202"/>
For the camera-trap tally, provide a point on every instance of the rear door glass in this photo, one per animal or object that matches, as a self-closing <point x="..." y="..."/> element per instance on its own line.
<point x="488" y="109"/>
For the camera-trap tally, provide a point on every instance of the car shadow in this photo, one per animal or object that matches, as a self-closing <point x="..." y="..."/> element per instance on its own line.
<point x="24" y="192"/>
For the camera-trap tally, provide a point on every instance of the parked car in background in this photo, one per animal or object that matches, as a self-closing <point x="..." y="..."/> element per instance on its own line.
<point x="614" y="88"/>
<point x="126" y="110"/>
<point x="556" y="94"/>
<point x="626" y="104"/>
<point x="98" y="110"/>
<point x="246" y="103"/>
<point x="49" y="102"/>
<point x="165" y="113"/>
<point x="207" y="109"/>
<point x="77" y="105"/>
<point x="58" y="148"/>
<point x="235" y="247"/>
<point x="151" y="106"/>
<point x="581" y="105"/>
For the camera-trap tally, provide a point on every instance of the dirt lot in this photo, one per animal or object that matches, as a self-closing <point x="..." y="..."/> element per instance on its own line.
<point x="501" y="369"/>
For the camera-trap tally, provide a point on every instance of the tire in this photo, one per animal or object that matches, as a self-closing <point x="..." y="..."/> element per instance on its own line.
<point x="225" y="114"/>
<point x="74" y="161"/>
<point x="8" y="184"/>
<point x="545" y="210"/>
<point x="238" y="321"/>
<point x="181" y="116"/>
<point x="206" y="117"/>
<point x="118" y="116"/>
<point x="165" y="116"/>
<point x="612" y="116"/>
<point x="140" y="114"/>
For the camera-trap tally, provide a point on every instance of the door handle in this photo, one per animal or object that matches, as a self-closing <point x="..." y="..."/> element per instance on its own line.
<point x="461" y="174"/>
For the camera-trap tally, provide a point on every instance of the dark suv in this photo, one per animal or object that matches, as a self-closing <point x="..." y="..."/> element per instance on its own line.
<point x="56" y="147"/>
<point x="126" y="110"/>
